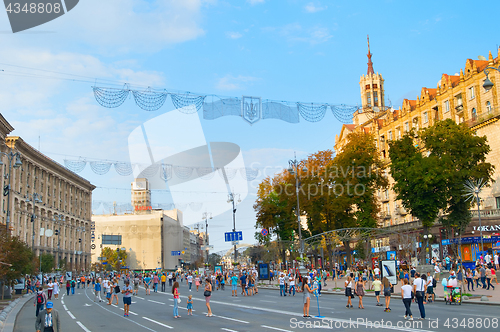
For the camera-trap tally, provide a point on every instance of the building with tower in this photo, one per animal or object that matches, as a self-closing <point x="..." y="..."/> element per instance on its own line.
<point x="460" y="97"/>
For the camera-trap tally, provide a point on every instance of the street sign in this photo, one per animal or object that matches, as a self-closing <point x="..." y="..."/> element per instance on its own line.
<point x="264" y="232"/>
<point x="235" y="243"/>
<point x="233" y="236"/>
<point x="175" y="253"/>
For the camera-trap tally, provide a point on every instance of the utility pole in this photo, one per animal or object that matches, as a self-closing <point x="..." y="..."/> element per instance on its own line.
<point x="230" y="199"/>
<point x="206" y="216"/>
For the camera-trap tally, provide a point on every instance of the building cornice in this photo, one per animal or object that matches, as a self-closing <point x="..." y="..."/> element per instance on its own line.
<point x="5" y="127"/>
<point x="28" y="152"/>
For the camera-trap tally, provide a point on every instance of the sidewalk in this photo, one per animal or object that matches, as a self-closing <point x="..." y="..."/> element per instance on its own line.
<point x="492" y="295"/>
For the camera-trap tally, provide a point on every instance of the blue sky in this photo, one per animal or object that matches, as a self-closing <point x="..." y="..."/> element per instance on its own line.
<point x="308" y="51"/>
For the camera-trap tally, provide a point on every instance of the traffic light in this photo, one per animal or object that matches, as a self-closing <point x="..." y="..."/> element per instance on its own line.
<point x="56" y="232"/>
<point x="79" y="240"/>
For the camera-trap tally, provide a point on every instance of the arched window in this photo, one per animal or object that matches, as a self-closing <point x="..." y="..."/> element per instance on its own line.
<point x="488" y="107"/>
<point x="474" y="114"/>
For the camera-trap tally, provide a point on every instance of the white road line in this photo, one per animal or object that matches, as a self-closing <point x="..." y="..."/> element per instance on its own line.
<point x="228" y="330"/>
<point x="133" y="313"/>
<point x="83" y="327"/>
<point x="114" y="313"/>
<point x="65" y="308"/>
<point x="480" y="315"/>
<point x="62" y="301"/>
<point x="275" y="328"/>
<point x="233" y="319"/>
<point x="156" y="302"/>
<point x="70" y="314"/>
<point x="152" y="320"/>
<point x="268" y="301"/>
<point x="139" y="297"/>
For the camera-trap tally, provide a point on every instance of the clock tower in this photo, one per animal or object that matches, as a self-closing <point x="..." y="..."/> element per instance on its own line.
<point x="372" y="87"/>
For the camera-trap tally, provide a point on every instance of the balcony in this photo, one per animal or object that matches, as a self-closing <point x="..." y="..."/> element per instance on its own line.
<point x="493" y="115"/>
<point x="493" y="213"/>
<point x="385" y="215"/>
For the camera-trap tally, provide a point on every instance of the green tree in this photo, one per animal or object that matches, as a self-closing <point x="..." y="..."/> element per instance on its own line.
<point x="47" y="262"/>
<point x="429" y="170"/>
<point x="115" y="258"/>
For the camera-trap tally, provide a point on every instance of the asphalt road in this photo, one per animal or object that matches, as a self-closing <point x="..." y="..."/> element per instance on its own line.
<point x="266" y="311"/>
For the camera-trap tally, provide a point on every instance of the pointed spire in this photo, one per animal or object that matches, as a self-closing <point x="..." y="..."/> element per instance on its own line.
<point x="462" y="75"/>
<point x="370" y="63"/>
<point x="490" y="59"/>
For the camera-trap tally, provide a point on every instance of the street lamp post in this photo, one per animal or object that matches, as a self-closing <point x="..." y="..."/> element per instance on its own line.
<point x="294" y="170"/>
<point x="35" y="198"/>
<point x="488" y="84"/>
<point x="230" y="199"/>
<point x="474" y="187"/>
<point x="206" y="216"/>
<point x="6" y="190"/>
<point x="427" y="237"/>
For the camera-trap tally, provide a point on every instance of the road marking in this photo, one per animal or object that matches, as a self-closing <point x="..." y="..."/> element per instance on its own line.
<point x="140" y="297"/>
<point x="70" y="314"/>
<point x="83" y="327"/>
<point x="275" y="328"/>
<point x="152" y="320"/>
<point x="114" y="313"/>
<point x="233" y="319"/>
<point x="268" y="301"/>
<point x="65" y="308"/>
<point x="62" y="301"/>
<point x="156" y="302"/>
<point x="480" y="315"/>
<point x="228" y="330"/>
<point x="87" y="305"/>
<point x="133" y="313"/>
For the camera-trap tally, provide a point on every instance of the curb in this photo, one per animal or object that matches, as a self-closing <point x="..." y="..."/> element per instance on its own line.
<point x="440" y="299"/>
<point x="9" y="314"/>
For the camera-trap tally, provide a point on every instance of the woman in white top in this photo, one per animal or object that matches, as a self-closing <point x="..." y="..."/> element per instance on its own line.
<point x="292" y="284"/>
<point x="50" y="289"/>
<point x="56" y="289"/>
<point x="406" y="296"/>
<point x="348" y="291"/>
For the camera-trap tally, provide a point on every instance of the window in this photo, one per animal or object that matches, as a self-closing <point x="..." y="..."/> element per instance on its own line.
<point x="497" y="199"/>
<point x="367" y="87"/>
<point x="374" y="86"/>
<point x="375" y="98"/>
<point x="472" y="92"/>
<point x="112" y="239"/>
<point x="407" y="127"/>
<point x="386" y="193"/>
<point x="488" y="107"/>
<point x="474" y="114"/>
<point x="399" y="133"/>
<point x="368" y="99"/>
<point x="426" y="117"/>
<point x="390" y="135"/>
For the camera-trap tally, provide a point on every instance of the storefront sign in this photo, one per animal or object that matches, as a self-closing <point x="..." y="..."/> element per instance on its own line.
<point x="142" y="208"/>
<point x="491" y="228"/>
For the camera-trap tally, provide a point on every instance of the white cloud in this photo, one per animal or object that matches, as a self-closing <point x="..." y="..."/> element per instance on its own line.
<point x="118" y="26"/>
<point x="312" y="8"/>
<point x="233" y="35"/>
<point x="230" y="82"/>
<point x="255" y="2"/>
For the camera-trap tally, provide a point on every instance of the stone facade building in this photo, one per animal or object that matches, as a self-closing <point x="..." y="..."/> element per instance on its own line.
<point x="62" y="203"/>
<point x="460" y="97"/>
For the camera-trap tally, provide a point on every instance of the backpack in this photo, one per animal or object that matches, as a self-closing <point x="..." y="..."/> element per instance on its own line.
<point x="434" y="282"/>
<point x="39" y="298"/>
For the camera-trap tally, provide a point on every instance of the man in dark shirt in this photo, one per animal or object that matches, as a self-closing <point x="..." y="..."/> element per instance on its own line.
<point x="243" y="280"/>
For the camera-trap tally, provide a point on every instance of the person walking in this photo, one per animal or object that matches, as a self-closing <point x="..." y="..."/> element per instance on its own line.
<point x="116" y="291"/>
<point x="208" y="294"/>
<point x="387" y="293"/>
<point x="136" y="285"/>
<point x="234" y="285"/>
<point x="40" y="300"/>
<point x="197" y="282"/>
<point x="163" y="282"/>
<point x="56" y="289"/>
<point x="482" y="272"/>
<point x="147" y="284"/>
<point x="282" y="284"/>
<point x="430" y="289"/>
<point x="175" y="292"/>
<point x="48" y="320"/>
<point x="348" y="290"/>
<point x="97" y="290"/>
<point x="306" y="291"/>
<point x="68" y="287"/>
<point x="127" y="298"/>
<point x="50" y="289"/>
<point x="419" y="289"/>
<point x="189" y="279"/>
<point x="360" y="292"/>
<point x="377" y="286"/>
<point x="73" y="285"/>
<point x="488" y="278"/>
<point x="156" y="280"/>
<point x="291" y="279"/>
<point x="406" y="296"/>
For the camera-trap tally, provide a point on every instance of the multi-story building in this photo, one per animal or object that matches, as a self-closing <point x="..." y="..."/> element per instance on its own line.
<point x="62" y="203"/>
<point x="153" y="238"/>
<point x="460" y="97"/>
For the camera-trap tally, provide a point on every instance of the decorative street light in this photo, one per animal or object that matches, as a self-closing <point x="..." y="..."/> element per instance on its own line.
<point x="35" y="198"/>
<point x="293" y="169"/>
<point x="230" y="199"/>
<point x="206" y="216"/>
<point x="472" y="189"/>
<point x="6" y="190"/>
<point x="488" y="84"/>
<point x="427" y="237"/>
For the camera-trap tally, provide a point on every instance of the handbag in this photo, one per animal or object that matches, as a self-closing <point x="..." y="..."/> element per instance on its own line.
<point x="179" y="300"/>
<point x="117" y="289"/>
<point x="207" y="293"/>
